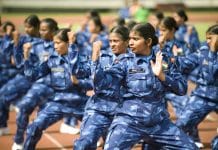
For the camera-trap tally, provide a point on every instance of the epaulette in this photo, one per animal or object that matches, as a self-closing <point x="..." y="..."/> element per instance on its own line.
<point x="204" y="48"/>
<point x="126" y="56"/>
<point x="106" y="53"/>
<point x="36" y="42"/>
<point x="54" y="55"/>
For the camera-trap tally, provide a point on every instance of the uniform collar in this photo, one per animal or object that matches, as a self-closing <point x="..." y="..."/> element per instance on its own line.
<point x="183" y="27"/>
<point x="212" y="55"/>
<point x="143" y="58"/>
<point x="47" y="44"/>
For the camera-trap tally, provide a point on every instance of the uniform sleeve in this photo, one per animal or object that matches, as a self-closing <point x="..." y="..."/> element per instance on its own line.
<point x="34" y="73"/>
<point x="188" y="63"/>
<point x="194" y="40"/>
<point x="79" y="64"/>
<point x="105" y="79"/>
<point x="18" y="52"/>
<point x="105" y="42"/>
<point x="7" y="49"/>
<point x="86" y="83"/>
<point x="175" y="82"/>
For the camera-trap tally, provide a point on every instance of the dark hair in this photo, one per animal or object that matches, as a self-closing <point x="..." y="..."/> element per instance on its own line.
<point x="94" y="13"/>
<point x="122" y="31"/>
<point x="169" y="23"/>
<point x="213" y="29"/>
<point x="52" y="24"/>
<point x="159" y="15"/>
<point x="130" y="24"/>
<point x="120" y="21"/>
<point x="182" y="14"/>
<point x="62" y="34"/>
<point x="8" y="23"/>
<point x="97" y="22"/>
<point x="146" y="31"/>
<point x="33" y="20"/>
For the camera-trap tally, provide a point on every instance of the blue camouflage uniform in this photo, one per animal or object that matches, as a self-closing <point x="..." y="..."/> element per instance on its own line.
<point x="192" y="39"/>
<point x="17" y="86"/>
<point x="100" y="108"/>
<point x="204" y="49"/>
<point x="68" y="99"/>
<point x="85" y="45"/>
<point x="85" y="49"/>
<point x="124" y="13"/>
<point x="143" y="115"/>
<point x="8" y="70"/>
<point x="177" y="101"/>
<point x="214" y="144"/>
<point x="39" y="91"/>
<point x="192" y="77"/>
<point x="204" y="98"/>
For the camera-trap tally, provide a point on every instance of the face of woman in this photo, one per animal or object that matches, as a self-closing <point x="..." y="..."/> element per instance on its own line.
<point x="179" y="20"/>
<point x="45" y="32"/>
<point x="153" y="20"/>
<point x="165" y="33"/>
<point x="137" y="43"/>
<point x="117" y="45"/>
<point x="212" y="40"/>
<point x="30" y="30"/>
<point x="91" y="26"/>
<point x="60" y="46"/>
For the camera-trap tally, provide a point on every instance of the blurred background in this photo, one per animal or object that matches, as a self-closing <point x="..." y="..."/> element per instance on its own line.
<point x="202" y="13"/>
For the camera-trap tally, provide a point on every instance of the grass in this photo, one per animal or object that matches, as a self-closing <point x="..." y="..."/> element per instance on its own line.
<point x="202" y="28"/>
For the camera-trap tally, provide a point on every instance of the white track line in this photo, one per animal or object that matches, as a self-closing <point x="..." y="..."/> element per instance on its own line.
<point x="54" y="141"/>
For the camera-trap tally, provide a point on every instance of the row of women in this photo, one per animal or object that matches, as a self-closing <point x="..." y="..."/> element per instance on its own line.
<point x="133" y="73"/>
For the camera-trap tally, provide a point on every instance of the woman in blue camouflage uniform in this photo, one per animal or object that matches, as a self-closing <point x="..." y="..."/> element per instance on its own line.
<point x="7" y="66"/>
<point x="142" y="114"/>
<point x="40" y="90"/>
<point x="186" y="33"/>
<point x="100" y="108"/>
<point x="155" y="19"/>
<point x="17" y="86"/>
<point x="96" y="32"/>
<point x="84" y="40"/>
<point x="168" y="43"/>
<point x="66" y="80"/>
<point x="204" y="97"/>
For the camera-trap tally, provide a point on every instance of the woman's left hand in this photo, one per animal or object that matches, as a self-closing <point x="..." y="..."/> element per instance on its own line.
<point x="157" y="66"/>
<point x="74" y="80"/>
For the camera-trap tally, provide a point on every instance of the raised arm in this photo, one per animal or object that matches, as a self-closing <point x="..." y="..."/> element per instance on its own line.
<point x="171" y="78"/>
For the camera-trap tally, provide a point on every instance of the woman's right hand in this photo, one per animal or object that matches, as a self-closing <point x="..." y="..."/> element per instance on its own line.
<point x="96" y="50"/>
<point x="9" y="30"/>
<point x="26" y="50"/>
<point x="161" y="41"/>
<point x="72" y="37"/>
<point x="15" y="36"/>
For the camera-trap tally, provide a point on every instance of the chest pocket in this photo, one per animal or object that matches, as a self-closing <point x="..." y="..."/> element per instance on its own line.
<point x="140" y="80"/>
<point x="58" y="77"/>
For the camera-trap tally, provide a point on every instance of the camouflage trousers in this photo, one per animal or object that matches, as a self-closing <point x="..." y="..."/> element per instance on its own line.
<point x="125" y="132"/>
